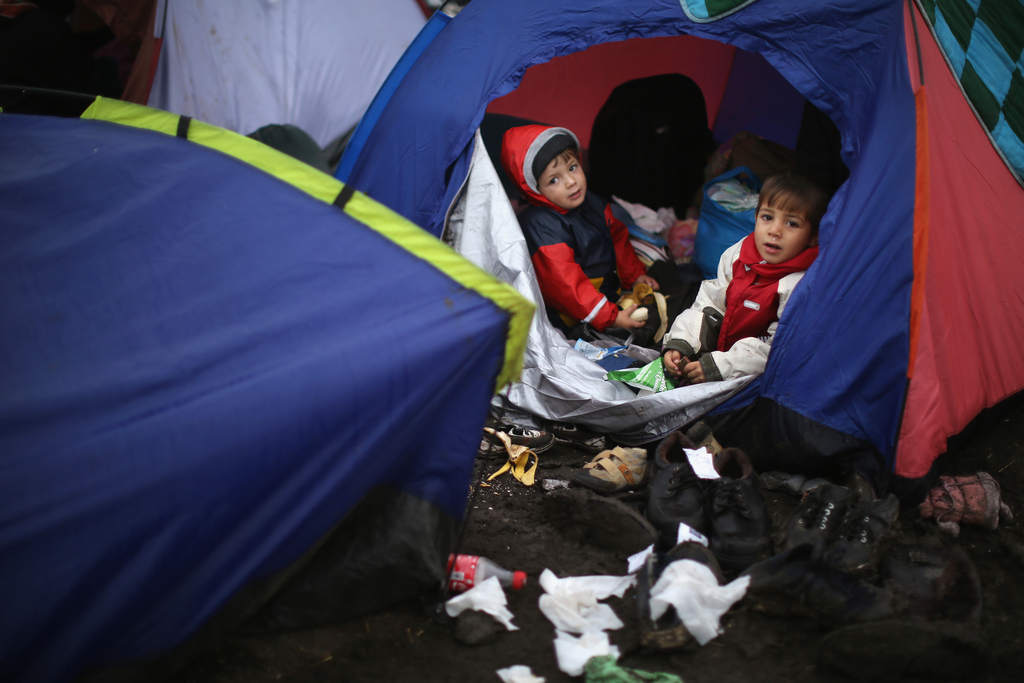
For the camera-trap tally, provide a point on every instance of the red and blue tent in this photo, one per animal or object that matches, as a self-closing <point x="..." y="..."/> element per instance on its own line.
<point x="902" y="331"/>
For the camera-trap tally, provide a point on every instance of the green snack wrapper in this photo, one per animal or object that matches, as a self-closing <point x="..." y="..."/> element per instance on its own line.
<point x="651" y="377"/>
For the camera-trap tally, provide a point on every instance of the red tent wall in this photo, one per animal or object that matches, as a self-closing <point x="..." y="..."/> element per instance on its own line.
<point x="568" y="91"/>
<point x="969" y="211"/>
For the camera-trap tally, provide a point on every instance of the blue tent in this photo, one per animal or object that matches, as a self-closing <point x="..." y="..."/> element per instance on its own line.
<point x="897" y="336"/>
<point x="209" y="355"/>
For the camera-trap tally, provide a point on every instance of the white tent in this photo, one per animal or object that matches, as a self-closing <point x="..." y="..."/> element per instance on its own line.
<point x="243" y="64"/>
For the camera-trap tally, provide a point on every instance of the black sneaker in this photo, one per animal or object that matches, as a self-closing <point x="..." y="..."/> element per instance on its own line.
<point x="818" y="516"/>
<point x="860" y="488"/>
<point x="578" y="437"/>
<point x="537" y="440"/>
<point x="668" y="632"/>
<point x="800" y="582"/>
<point x="864" y="536"/>
<point x="739" y="527"/>
<point x="675" y="494"/>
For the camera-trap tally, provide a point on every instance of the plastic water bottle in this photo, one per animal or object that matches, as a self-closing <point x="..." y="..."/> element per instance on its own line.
<point x="466" y="571"/>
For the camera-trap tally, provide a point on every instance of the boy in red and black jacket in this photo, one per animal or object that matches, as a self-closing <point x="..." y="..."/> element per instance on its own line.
<point x="579" y="248"/>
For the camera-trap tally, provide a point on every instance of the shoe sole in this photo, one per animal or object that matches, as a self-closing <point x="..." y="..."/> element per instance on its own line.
<point x="582" y="446"/>
<point x="500" y="451"/>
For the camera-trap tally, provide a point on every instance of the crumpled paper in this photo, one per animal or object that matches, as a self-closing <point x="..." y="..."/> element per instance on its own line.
<point x="487" y="596"/>
<point x="692" y="589"/>
<point x="519" y="674"/>
<point x="571" y="604"/>
<point x="573" y="653"/>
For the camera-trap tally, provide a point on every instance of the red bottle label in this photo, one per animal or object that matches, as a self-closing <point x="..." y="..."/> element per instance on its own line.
<point x="462" y="576"/>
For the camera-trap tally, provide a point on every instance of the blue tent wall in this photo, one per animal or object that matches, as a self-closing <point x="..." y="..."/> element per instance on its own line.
<point x="202" y="370"/>
<point x="840" y="356"/>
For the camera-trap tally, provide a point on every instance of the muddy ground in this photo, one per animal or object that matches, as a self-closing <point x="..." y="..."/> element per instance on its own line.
<point x="510" y="523"/>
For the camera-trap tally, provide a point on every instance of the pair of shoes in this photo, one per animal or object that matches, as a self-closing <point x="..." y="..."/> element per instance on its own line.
<point x="802" y="582"/>
<point x="728" y="510"/>
<point x="578" y="437"/>
<point x="537" y="440"/>
<point x="855" y="532"/>
<point x="614" y="470"/>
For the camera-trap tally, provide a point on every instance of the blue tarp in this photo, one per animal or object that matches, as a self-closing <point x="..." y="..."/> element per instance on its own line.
<point x="202" y="370"/>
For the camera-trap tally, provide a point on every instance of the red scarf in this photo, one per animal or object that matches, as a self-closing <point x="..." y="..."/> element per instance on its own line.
<point x="752" y="299"/>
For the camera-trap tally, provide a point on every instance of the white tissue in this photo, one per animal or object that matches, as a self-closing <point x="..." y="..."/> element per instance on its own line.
<point x="700" y="602"/>
<point x="636" y="561"/>
<point x="519" y="674"/>
<point x="571" y="604"/>
<point x="702" y="463"/>
<point x="574" y="653"/>
<point x="487" y="596"/>
<point x="687" y="533"/>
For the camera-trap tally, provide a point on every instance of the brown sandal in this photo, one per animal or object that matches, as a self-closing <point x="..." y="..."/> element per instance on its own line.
<point x="614" y="470"/>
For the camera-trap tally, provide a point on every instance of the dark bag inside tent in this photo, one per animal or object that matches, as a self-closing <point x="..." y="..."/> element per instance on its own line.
<point x="650" y="142"/>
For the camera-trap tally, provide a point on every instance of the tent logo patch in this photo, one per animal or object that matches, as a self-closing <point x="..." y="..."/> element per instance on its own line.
<point x="702" y="11"/>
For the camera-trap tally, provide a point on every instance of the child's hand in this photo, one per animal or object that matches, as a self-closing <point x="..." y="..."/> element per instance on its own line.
<point x="647" y="279"/>
<point x="671" y="360"/>
<point x="694" y="372"/>
<point x="623" y="320"/>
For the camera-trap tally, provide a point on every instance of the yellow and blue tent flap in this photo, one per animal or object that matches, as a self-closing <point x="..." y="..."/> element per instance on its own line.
<point x="204" y="370"/>
<point x="327" y="189"/>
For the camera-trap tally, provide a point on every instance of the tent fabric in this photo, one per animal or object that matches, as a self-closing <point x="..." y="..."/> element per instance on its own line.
<point x="194" y="386"/>
<point x="326" y="189"/>
<point x="983" y="41"/>
<point x="729" y="79"/>
<point x="437" y="21"/>
<point x="554" y="93"/>
<point x="917" y="245"/>
<point x="557" y="381"/>
<point x="967" y="357"/>
<point x="710" y="10"/>
<point x="315" y="64"/>
<point x="822" y="366"/>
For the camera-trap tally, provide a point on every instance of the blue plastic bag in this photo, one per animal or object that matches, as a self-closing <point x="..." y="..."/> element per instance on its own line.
<point x="719" y="228"/>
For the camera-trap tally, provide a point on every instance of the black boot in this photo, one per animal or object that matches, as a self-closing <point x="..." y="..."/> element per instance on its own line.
<point x="800" y="582"/>
<point x="675" y="494"/>
<point x="738" y="523"/>
<point x="668" y="632"/>
<point x="864" y="536"/>
<point x="818" y="516"/>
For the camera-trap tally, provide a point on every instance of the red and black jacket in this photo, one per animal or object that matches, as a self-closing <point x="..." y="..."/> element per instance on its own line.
<point x="581" y="256"/>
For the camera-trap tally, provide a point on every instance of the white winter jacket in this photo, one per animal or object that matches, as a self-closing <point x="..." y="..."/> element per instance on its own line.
<point x="747" y="356"/>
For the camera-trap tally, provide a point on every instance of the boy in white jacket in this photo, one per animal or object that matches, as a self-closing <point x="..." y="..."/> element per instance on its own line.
<point x="728" y="331"/>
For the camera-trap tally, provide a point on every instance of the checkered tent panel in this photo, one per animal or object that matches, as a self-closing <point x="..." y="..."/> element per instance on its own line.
<point x="984" y="42"/>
